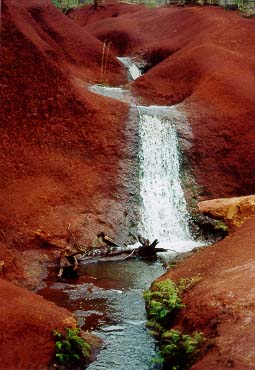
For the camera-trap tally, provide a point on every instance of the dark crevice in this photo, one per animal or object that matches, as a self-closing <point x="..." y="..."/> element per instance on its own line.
<point x="154" y="57"/>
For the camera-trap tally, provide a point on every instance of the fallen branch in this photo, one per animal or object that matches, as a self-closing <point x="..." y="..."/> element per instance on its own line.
<point x="130" y="255"/>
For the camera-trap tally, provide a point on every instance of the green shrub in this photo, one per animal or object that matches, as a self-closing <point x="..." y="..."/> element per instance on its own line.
<point x="70" y="348"/>
<point x="179" y="351"/>
<point x="162" y="304"/>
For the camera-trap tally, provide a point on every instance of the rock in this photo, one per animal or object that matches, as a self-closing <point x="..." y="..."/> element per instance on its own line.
<point x="233" y="211"/>
<point x="208" y="228"/>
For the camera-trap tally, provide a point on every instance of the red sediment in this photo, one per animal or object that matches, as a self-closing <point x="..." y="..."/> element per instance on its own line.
<point x="61" y="149"/>
<point x="26" y="323"/>
<point x="206" y="61"/>
<point x="60" y="145"/>
<point x="87" y="14"/>
<point x="221" y="305"/>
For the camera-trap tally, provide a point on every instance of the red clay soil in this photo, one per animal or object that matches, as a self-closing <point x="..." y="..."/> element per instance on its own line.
<point x="204" y="58"/>
<point x="60" y="41"/>
<point x="62" y="163"/>
<point x="26" y="339"/>
<point x="62" y="148"/>
<point x="221" y="305"/>
<point x="87" y="14"/>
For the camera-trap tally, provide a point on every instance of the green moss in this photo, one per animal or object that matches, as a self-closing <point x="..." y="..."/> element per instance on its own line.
<point x="221" y="226"/>
<point x="162" y="304"/>
<point x="179" y="351"/>
<point x="70" y="348"/>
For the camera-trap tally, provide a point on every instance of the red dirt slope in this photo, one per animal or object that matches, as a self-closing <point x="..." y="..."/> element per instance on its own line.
<point x="61" y="41"/>
<point x="222" y="303"/>
<point x="26" y="339"/>
<point x="62" y="157"/>
<point x="87" y="14"/>
<point x="62" y="148"/>
<point x="205" y="58"/>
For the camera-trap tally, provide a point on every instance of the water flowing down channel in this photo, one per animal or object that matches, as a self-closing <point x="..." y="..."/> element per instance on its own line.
<point x="163" y="208"/>
<point x="133" y="71"/>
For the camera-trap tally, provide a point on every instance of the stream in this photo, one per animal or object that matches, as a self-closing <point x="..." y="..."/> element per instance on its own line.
<point x="107" y="299"/>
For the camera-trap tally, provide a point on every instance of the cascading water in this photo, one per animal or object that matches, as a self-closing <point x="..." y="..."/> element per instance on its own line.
<point x="164" y="214"/>
<point x="133" y="71"/>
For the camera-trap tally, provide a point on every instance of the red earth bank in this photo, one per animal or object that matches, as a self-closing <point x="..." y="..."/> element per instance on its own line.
<point x="203" y="58"/>
<point x="221" y="305"/>
<point x="26" y="339"/>
<point x="62" y="148"/>
<point x="63" y="163"/>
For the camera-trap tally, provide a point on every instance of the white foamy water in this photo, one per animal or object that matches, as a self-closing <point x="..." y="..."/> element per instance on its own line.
<point x="133" y="71"/>
<point x="164" y="214"/>
<point x="112" y="92"/>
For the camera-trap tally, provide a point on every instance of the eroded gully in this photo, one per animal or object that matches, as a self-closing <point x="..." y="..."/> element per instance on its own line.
<point x="107" y="299"/>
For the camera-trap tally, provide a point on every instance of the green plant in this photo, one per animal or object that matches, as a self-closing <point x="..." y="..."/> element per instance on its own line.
<point x="70" y="348"/>
<point x="69" y="4"/>
<point x="179" y="351"/>
<point x="221" y="226"/>
<point x="162" y="303"/>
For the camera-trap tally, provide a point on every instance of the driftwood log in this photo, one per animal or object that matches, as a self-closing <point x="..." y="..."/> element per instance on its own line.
<point x="147" y="249"/>
<point x="68" y="263"/>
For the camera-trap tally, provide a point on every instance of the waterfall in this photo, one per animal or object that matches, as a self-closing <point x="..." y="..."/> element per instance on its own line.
<point x="133" y="71"/>
<point x="164" y="213"/>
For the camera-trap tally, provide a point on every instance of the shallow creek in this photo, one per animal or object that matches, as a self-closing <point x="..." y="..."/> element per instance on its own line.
<point x="107" y="300"/>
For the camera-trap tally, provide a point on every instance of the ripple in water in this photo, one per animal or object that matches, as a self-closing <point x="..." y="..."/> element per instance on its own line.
<point x="107" y="300"/>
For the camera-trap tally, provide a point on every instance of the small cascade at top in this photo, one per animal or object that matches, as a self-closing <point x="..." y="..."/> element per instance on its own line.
<point x="133" y="71"/>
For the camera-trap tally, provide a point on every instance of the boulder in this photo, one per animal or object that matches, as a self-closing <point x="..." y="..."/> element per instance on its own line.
<point x="233" y="211"/>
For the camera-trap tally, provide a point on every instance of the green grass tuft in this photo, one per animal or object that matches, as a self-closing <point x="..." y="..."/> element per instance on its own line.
<point x="70" y="348"/>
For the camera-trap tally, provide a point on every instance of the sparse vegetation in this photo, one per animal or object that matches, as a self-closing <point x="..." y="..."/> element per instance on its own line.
<point x="68" y="4"/>
<point x="221" y="226"/>
<point x="179" y="351"/>
<point x="104" y="62"/>
<point x="70" y="348"/>
<point x="188" y="283"/>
